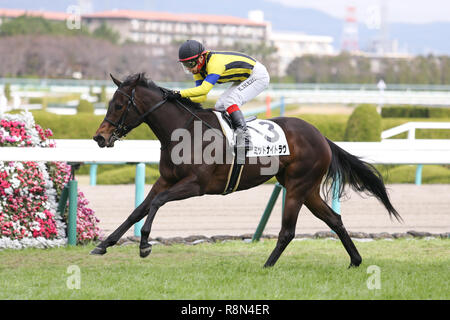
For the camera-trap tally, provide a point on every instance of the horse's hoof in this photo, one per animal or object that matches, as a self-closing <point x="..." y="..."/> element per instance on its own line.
<point x="353" y="265"/>
<point x="145" y="251"/>
<point x="98" y="251"/>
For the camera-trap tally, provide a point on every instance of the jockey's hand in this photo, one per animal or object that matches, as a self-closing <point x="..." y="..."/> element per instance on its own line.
<point x="172" y="95"/>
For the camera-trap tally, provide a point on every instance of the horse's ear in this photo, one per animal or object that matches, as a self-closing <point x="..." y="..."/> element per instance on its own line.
<point x="117" y="82"/>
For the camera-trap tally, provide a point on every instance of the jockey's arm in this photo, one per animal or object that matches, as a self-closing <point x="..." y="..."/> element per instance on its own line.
<point x="198" y="99"/>
<point x="198" y="82"/>
<point x="202" y="89"/>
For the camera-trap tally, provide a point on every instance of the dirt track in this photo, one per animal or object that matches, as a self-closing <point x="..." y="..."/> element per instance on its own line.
<point x="423" y="208"/>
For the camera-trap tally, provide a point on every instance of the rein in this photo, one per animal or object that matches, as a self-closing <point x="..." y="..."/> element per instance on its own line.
<point x="122" y="129"/>
<point x="193" y="114"/>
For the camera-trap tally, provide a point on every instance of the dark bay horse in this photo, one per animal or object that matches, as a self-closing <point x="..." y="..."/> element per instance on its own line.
<point x="314" y="161"/>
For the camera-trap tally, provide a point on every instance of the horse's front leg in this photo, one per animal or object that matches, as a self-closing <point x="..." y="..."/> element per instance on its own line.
<point x="185" y="188"/>
<point x="137" y="214"/>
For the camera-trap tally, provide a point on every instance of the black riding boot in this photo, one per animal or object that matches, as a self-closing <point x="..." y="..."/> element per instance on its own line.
<point x="242" y="134"/>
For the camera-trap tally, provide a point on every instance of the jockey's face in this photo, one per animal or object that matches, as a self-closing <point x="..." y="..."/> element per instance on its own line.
<point x="198" y="66"/>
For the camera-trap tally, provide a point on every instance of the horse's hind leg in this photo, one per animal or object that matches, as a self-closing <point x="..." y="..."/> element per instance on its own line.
<point x="322" y="211"/>
<point x="291" y="209"/>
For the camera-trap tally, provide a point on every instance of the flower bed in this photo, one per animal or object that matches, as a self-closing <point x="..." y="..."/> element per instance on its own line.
<point x="29" y="192"/>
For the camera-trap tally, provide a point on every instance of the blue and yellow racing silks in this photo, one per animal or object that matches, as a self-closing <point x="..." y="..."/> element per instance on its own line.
<point x="220" y="67"/>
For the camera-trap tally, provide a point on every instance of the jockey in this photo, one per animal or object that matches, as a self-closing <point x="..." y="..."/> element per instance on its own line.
<point x="248" y="77"/>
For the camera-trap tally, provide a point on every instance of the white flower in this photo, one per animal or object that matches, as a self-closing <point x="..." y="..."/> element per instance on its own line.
<point x="35" y="226"/>
<point x="19" y="165"/>
<point x="41" y="215"/>
<point x="15" y="183"/>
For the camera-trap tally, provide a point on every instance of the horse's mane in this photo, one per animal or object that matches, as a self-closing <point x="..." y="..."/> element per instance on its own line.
<point x="143" y="81"/>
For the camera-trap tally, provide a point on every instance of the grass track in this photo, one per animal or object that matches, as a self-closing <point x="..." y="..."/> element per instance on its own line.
<point x="309" y="269"/>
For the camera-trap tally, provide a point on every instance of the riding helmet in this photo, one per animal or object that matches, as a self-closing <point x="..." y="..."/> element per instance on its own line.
<point x="190" y="50"/>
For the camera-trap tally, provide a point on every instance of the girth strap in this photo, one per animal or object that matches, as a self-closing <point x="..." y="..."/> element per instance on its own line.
<point x="234" y="176"/>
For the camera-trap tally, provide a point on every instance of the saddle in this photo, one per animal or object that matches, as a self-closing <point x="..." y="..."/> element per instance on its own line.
<point x="227" y="118"/>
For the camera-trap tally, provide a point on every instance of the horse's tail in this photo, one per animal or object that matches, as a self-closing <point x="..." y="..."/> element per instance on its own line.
<point x="361" y="176"/>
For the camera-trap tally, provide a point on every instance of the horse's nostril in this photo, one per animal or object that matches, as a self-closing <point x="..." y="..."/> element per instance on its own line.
<point x="100" y="140"/>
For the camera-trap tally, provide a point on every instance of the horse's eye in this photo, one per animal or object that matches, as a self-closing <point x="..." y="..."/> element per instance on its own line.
<point x="118" y="106"/>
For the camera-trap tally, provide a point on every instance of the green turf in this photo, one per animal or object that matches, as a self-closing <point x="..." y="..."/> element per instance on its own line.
<point x="309" y="269"/>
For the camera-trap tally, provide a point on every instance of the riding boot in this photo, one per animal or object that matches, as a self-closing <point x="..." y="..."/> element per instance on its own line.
<point x="241" y="131"/>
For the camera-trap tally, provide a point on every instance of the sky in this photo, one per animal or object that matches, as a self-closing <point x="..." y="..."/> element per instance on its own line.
<point x="408" y="11"/>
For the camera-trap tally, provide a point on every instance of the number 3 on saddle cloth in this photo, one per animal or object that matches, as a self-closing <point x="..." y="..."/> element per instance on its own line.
<point x="267" y="137"/>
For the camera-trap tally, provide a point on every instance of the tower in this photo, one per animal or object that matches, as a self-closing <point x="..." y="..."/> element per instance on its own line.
<point x="350" y="31"/>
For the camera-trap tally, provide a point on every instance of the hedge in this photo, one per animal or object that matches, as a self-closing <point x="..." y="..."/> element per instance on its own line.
<point x="391" y="174"/>
<point x="364" y="124"/>
<point x="83" y="126"/>
<point x="55" y="99"/>
<point x="407" y="174"/>
<point x="85" y="106"/>
<point x="330" y="125"/>
<point x="415" y="112"/>
<point x="126" y="175"/>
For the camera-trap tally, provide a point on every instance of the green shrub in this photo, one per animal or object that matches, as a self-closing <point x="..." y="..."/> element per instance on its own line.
<point x="332" y="126"/>
<point x="83" y="126"/>
<point x="439" y="112"/>
<point x="407" y="174"/>
<point x="85" y="107"/>
<point x="126" y="175"/>
<point x="364" y="124"/>
<point x="79" y="126"/>
<point x="415" y="112"/>
<point x="405" y="112"/>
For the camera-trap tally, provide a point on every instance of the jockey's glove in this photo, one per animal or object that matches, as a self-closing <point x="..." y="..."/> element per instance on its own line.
<point x="172" y="95"/>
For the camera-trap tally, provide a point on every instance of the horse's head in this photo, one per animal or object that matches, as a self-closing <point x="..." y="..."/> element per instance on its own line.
<point x="122" y="114"/>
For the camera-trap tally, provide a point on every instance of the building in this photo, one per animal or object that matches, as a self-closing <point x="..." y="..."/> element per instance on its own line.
<point x="162" y="29"/>
<point x="165" y="28"/>
<point x="291" y="45"/>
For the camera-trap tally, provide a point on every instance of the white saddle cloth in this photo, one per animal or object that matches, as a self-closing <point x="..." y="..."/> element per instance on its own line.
<point x="267" y="137"/>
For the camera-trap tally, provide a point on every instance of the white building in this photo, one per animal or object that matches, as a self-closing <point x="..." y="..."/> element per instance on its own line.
<point x="165" y="28"/>
<point x="291" y="45"/>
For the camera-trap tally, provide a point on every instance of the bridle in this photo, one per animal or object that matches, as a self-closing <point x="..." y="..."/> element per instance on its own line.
<point x="122" y="129"/>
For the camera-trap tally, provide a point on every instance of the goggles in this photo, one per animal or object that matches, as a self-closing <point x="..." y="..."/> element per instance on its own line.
<point x="190" y="64"/>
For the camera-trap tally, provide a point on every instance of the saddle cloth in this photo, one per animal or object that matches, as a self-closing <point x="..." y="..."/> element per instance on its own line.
<point x="267" y="137"/>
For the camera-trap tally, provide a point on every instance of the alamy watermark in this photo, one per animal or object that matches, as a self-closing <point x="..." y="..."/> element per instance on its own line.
<point x="207" y="148"/>
<point x="73" y="281"/>
<point x="374" y="280"/>
<point x="73" y="21"/>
